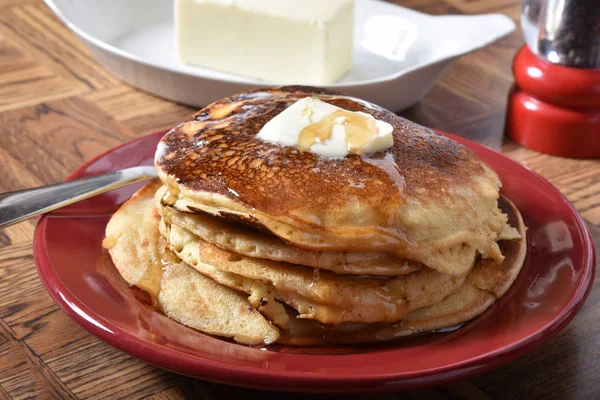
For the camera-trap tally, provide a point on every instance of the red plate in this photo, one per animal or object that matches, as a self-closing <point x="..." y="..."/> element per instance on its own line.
<point x="551" y="288"/>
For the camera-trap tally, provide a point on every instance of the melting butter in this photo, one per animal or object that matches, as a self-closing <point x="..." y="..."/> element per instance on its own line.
<point x="329" y="131"/>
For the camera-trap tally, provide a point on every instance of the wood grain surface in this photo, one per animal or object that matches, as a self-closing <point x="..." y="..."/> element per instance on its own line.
<point x="59" y="108"/>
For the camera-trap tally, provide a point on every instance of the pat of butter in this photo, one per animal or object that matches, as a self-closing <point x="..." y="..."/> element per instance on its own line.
<point x="284" y="41"/>
<point x="326" y="130"/>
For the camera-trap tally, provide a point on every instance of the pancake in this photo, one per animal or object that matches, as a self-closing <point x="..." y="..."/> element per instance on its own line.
<point x="426" y="199"/>
<point x="267" y="244"/>
<point x="199" y="302"/>
<point x="139" y="254"/>
<point x="326" y="297"/>
<point x="486" y="283"/>
<point x="132" y="238"/>
<point x="239" y="239"/>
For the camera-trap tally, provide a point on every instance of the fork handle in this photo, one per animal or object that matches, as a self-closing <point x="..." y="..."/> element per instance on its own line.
<point x="23" y="204"/>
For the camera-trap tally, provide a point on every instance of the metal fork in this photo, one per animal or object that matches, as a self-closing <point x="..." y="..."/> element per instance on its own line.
<point x="23" y="204"/>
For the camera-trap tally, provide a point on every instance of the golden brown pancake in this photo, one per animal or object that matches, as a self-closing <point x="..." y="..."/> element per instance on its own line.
<point x="329" y="298"/>
<point x="245" y="241"/>
<point x="262" y="234"/>
<point x="139" y="254"/>
<point x="199" y="302"/>
<point x="427" y="199"/>
<point x="486" y="283"/>
<point x="132" y="241"/>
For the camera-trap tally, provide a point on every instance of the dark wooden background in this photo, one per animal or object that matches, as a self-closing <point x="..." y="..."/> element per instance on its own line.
<point x="58" y="109"/>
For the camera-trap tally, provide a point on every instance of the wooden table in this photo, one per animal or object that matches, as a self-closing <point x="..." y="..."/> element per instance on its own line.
<point x="58" y="109"/>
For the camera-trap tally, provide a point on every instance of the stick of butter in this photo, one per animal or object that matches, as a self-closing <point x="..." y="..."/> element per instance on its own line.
<point x="285" y="41"/>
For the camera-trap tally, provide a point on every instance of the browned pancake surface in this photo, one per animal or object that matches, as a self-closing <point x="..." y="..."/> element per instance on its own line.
<point x="220" y="154"/>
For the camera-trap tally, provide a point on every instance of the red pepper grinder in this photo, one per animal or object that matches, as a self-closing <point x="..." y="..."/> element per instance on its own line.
<point x="554" y="105"/>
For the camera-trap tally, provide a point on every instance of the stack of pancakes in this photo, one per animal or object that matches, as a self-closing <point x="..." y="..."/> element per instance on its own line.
<point x="261" y="243"/>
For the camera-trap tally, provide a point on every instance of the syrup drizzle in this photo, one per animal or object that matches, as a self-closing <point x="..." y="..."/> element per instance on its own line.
<point x="388" y="165"/>
<point x="360" y="129"/>
<point x="316" y="269"/>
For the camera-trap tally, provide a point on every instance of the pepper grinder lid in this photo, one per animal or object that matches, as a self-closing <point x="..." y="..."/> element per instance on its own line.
<point x="564" y="32"/>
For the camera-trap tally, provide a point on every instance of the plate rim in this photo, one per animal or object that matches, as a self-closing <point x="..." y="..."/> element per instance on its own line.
<point x="220" y="371"/>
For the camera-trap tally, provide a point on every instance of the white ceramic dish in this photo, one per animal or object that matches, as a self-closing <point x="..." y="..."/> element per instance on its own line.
<point x="399" y="53"/>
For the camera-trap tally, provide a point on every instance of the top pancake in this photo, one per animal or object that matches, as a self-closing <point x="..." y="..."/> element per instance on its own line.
<point x="427" y="198"/>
